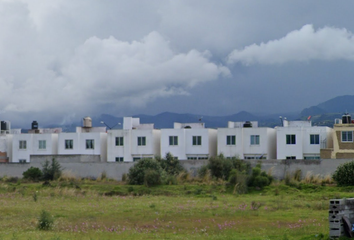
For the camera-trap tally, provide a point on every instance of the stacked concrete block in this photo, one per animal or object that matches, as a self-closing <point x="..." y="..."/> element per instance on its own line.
<point x="340" y="211"/>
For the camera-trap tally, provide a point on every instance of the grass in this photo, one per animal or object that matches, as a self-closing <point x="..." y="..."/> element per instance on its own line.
<point x="111" y="210"/>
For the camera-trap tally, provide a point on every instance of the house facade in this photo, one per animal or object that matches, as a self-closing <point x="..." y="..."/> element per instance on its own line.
<point x="245" y="140"/>
<point x="189" y="141"/>
<point x="87" y="140"/>
<point x="301" y="140"/>
<point x="135" y="141"/>
<point x="343" y="145"/>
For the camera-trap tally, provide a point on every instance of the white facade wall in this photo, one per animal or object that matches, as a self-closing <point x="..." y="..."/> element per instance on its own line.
<point x="243" y="147"/>
<point x="32" y="146"/>
<point x="79" y="144"/>
<point x="302" y="148"/>
<point x="185" y="148"/>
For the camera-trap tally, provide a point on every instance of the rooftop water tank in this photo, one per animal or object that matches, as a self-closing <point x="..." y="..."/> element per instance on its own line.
<point x="34" y="125"/>
<point x="247" y="124"/>
<point x="87" y="122"/>
<point x="346" y="119"/>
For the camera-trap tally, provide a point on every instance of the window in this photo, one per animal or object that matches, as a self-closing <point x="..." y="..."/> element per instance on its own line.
<point x="291" y="157"/>
<point x="119" y="141"/>
<point x="22" y="161"/>
<point x="136" y="159"/>
<point x="90" y="144"/>
<point x="119" y="159"/>
<point x="254" y="139"/>
<point x="23" y="144"/>
<point x="347" y="136"/>
<point x="291" y="139"/>
<point x="231" y="140"/>
<point x="173" y="140"/>
<point x="192" y="158"/>
<point x="312" y="157"/>
<point x="314" y="139"/>
<point x="69" y="144"/>
<point x="141" y="141"/>
<point x="42" y="144"/>
<point x="197" y="140"/>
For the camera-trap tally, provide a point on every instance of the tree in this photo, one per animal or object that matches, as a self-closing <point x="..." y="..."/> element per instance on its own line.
<point x="171" y="165"/>
<point x="51" y="171"/>
<point x="147" y="171"/>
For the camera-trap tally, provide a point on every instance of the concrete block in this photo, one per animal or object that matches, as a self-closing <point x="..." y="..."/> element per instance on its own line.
<point x="336" y="232"/>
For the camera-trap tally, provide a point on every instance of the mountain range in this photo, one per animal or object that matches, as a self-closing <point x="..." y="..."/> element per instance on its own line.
<point x="322" y="114"/>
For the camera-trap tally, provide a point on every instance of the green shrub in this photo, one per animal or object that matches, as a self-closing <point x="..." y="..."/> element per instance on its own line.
<point x="239" y="180"/>
<point x="202" y="171"/>
<point x="51" y="171"/>
<point x="136" y="175"/>
<point x="33" y="174"/>
<point x="344" y="175"/>
<point x="259" y="178"/>
<point x="151" y="177"/>
<point x="45" y="221"/>
<point x="220" y="167"/>
<point x="171" y="165"/>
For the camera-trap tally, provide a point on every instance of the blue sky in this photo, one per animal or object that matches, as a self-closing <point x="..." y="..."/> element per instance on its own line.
<point x="62" y="60"/>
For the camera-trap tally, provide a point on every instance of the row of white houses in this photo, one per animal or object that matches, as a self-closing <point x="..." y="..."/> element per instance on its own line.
<point x="245" y="140"/>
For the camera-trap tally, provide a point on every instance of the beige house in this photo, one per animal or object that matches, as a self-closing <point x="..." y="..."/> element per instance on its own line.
<point x="343" y="144"/>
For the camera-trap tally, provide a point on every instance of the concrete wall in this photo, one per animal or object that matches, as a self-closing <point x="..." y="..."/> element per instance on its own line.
<point x="90" y="166"/>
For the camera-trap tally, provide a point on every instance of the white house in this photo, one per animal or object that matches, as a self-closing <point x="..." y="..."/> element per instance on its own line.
<point x="135" y="141"/>
<point x="87" y="140"/>
<point x="24" y="145"/>
<point x="189" y="141"/>
<point x="301" y="140"/>
<point x="246" y="140"/>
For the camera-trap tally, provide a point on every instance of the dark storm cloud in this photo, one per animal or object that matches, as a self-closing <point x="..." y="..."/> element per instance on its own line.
<point x="64" y="59"/>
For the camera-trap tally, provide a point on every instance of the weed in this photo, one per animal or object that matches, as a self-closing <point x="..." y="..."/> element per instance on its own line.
<point x="35" y="196"/>
<point x="45" y="221"/>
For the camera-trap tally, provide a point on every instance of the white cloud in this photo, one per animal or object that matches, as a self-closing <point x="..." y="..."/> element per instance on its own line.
<point x="39" y="75"/>
<point x="306" y="44"/>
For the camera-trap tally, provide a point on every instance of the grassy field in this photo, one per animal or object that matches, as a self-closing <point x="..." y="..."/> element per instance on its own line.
<point x="111" y="210"/>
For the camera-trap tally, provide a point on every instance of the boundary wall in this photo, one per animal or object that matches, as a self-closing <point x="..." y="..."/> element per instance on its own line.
<point x="89" y="166"/>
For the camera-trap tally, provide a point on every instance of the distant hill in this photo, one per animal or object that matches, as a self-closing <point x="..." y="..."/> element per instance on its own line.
<point x="339" y="104"/>
<point x="166" y="120"/>
<point x="322" y="114"/>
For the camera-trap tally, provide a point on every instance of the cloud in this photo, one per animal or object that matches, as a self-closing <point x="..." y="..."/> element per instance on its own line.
<point x="302" y="45"/>
<point x="39" y="75"/>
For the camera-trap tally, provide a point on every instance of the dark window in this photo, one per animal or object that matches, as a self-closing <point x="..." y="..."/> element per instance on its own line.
<point x="314" y="139"/>
<point x="231" y="140"/>
<point x="197" y="140"/>
<point x="119" y="141"/>
<point x="291" y="139"/>
<point x="173" y="140"/>
<point x="141" y="141"/>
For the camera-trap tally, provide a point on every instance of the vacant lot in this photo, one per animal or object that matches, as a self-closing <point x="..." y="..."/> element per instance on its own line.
<point x="110" y="210"/>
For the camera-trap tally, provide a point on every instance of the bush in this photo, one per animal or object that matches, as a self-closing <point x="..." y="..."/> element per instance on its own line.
<point x="151" y="177"/>
<point x="51" y="171"/>
<point x="136" y="175"/>
<point x="45" y="221"/>
<point x="33" y="174"/>
<point x="344" y="175"/>
<point x="171" y="165"/>
<point x="238" y="179"/>
<point x="220" y="167"/>
<point x="259" y="178"/>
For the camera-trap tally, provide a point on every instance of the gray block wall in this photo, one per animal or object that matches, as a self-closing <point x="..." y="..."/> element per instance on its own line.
<point x="91" y="166"/>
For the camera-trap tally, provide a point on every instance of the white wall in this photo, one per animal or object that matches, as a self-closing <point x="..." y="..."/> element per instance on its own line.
<point x="130" y="148"/>
<point x="302" y="148"/>
<point x="243" y="147"/>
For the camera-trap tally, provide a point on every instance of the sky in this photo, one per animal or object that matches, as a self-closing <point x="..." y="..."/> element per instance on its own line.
<point x="63" y="60"/>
